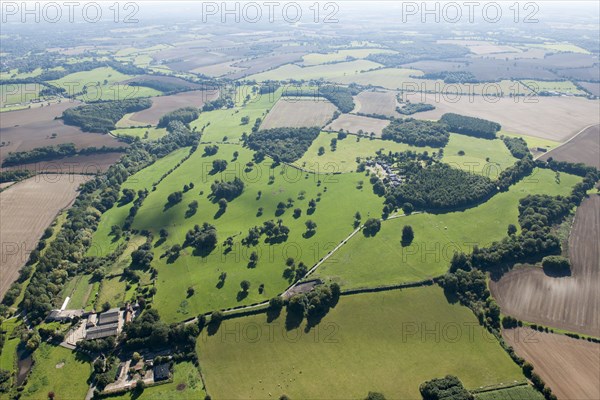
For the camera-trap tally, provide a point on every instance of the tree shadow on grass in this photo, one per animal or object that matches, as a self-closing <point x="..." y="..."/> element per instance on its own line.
<point x="241" y="295"/>
<point x="159" y="242"/>
<point x="293" y="320"/>
<point x="213" y="327"/>
<point x="273" y="314"/>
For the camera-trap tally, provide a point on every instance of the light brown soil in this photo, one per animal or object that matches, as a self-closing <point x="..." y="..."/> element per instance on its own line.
<point x="164" y="104"/>
<point x="584" y="148"/>
<point x="27" y="129"/>
<point x="383" y="103"/>
<point x="554" y="118"/>
<point x="570" y="367"/>
<point x="354" y="123"/>
<point x="85" y="164"/>
<point x="26" y="209"/>
<point x="299" y="112"/>
<point x="571" y="303"/>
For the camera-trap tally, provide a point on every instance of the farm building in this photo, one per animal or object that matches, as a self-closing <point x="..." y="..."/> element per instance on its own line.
<point x="104" y="325"/>
<point x="161" y="372"/>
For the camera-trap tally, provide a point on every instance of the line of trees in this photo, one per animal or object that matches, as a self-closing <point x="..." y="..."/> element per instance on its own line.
<point x="47" y="153"/>
<point x="184" y="115"/>
<point x="470" y="126"/>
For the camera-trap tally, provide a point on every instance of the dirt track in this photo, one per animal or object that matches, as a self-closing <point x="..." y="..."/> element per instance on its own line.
<point x="571" y="367"/>
<point x="26" y="209"/>
<point x="571" y="303"/>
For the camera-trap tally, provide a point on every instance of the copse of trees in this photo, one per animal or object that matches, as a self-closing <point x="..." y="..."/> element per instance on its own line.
<point x="416" y="132"/>
<point x="452" y="76"/>
<point x="101" y="117"/>
<point x="184" y="115"/>
<point x="447" y="388"/>
<point x="227" y="190"/>
<point x="471" y="126"/>
<point x="283" y="144"/>
<point x="441" y="187"/>
<point x="202" y="238"/>
<point x="517" y="146"/>
<point x="164" y="86"/>
<point x="413" y="108"/>
<point x="14" y="175"/>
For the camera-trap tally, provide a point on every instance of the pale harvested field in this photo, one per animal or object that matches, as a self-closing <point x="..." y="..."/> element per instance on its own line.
<point x="584" y="148"/>
<point x="571" y="303"/>
<point x="555" y="118"/>
<point x="571" y="367"/>
<point x="26" y="209"/>
<point x="298" y="112"/>
<point x="27" y="129"/>
<point x="220" y="69"/>
<point x="164" y="104"/>
<point x="353" y="123"/>
<point x="383" y="103"/>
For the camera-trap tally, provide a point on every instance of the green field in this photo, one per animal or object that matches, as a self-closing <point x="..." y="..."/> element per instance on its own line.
<point x="524" y="392"/>
<point x="60" y="371"/>
<point x="334" y="215"/>
<point x="346" y="70"/>
<point x="382" y="260"/>
<point x="343" y="159"/>
<point x="219" y="124"/>
<point x="482" y="156"/>
<point x="11" y="94"/>
<point x="563" y="47"/>
<point x="340" y="55"/>
<point x="392" y="78"/>
<point x="566" y="87"/>
<point x="9" y="350"/>
<point x="104" y="244"/>
<point x="153" y="133"/>
<point x="368" y="342"/>
<point x="533" y="141"/>
<point x="102" y="84"/>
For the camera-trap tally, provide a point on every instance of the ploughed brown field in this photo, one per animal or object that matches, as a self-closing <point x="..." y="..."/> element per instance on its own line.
<point x="554" y="118"/>
<point x="353" y="123"/>
<point x="571" y="367"/>
<point x="26" y="209"/>
<point x="297" y="112"/>
<point x="27" y="129"/>
<point x="584" y="148"/>
<point x="164" y="104"/>
<point x="572" y="302"/>
<point x="383" y="103"/>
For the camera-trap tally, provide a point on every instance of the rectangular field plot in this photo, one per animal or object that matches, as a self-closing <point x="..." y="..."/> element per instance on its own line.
<point x="299" y="112"/>
<point x="358" y="124"/>
<point x="368" y="342"/>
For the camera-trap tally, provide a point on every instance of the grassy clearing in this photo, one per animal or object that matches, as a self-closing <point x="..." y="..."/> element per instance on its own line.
<point x="340" y="55"/>
<point x="382" y="260"/>
<point x="482" y="156"/>
<point x="112" y="291"/>
<point x="533" y="141"/>
<point x="152" y="133"/>
<point x="524" y="392"/>
<point x="343" y="158"/>
<point x="79" y="289"/>
<point x="340" y="199"/>
<point x="562" y="47"/>
<point x="566" y="87"/>
<point x="346" y="70"/>
<point x="102" y="242"/>
<point x="227" y="123"/>
<point x="14" y="94"/>
<point x="366" y="343"/>
<point x="9" y="350"/>
<point x="60" y="371"/>
<point x="102" y="84"/>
